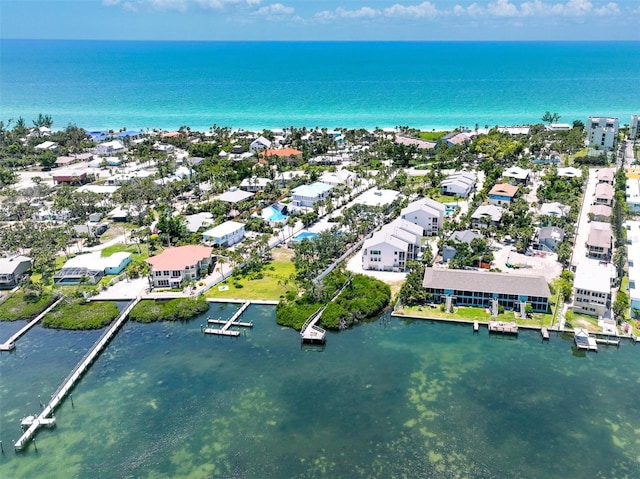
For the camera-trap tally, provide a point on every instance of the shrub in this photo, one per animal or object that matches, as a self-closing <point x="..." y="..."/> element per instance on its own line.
<point x="180" y="309"/>
<point x="80" y="315"/>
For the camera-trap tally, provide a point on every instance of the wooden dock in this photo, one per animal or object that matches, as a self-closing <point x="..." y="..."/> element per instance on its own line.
<point x="584" y="341"/>
<point x="46" y="418"/>
<point x="502" y="327"/>
<point x="226" y="324"/>
<point x="544" y="332"/>
<point x="10" y="343"/>
<point x="476" y="326"/>
<point x="310" y="332"/>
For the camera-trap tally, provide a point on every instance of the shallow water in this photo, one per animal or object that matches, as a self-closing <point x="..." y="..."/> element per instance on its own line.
<point x="409" y="399"/>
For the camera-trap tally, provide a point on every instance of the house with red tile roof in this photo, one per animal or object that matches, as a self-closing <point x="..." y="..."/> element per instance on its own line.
<point x="174" y="266"/>
<point x="281" y="153"/>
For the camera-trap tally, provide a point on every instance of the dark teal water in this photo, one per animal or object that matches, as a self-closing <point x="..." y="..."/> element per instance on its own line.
<point x="108" y="84"/>
<point x="410" y="399"/>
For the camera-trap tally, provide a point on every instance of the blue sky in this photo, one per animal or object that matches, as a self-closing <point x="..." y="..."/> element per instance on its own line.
<point x="321" y="20"/>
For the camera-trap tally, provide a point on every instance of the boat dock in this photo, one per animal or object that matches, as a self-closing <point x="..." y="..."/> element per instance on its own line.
<point x="584" y="341"/>
<point x="310" y="332"/>
<point x="46" y="418"/>
<point x="476" y="326"/>
<point x="503" y="327"/>
<point x="226" y="324"/>
<point x="10" y="343"/>
<point x="544" y="332"/>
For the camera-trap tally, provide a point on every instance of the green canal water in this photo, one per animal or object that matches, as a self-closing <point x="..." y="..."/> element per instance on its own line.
<point x="398" y="399"/>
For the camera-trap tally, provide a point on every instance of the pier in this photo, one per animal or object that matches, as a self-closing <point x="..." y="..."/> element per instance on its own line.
<point x="544" y="332"/>
<point x="10" y="343"/>
<point x="502" y="327"/>
<point x="46" y="418"/>
<point x="584" y="341"/>
<point x="476" y="326"/>
<point x="311" y="332"/>
<point x="226" y="324"/>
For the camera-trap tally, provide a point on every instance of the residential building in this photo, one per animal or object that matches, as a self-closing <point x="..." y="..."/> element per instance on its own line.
<point x="601" y="213"/>
<point x="340" y="177"/>
<point x="275" y="215"/>
<point x="426" y="213"/>
<point x="548" y="238"/>
<point x="600" y="240"/>
<point x="110" y="148"/>
<point x="592" y="287"/>
<point x="634" y="127"/>
<point x="449" y="249"/>
<point x="633" y="263"/>
<point x="602" y="132"/>
<point x="570" y="172"/>
<point x="47" y="145"/>
<point x="259" y="144"/>
<point x="554" y="209"/>
<point x="282" y="153"/>
<point x="377" y="197"/>
<point x="409" y="233"/>
<point x="12" y="270"/>
<point x="305" y="196"/>
<point x="483" y="289"/>
<point x="70" y="177"/>
<point x="502" y="194"/>
<point x="604" y="194"/>
<point x="632" y="193"/>
<point x="91" y="267"/>
<point x="198" y="220"/>
<point x="459" y="183"/>
<point x="173" y="266"/>
<point x="486" y="215"/>
<point x="225" y="234"/>
<point x="254" y="184"/>
<point x="606" y="175"/>
<point x="234" y="195"/>
<point x="384" y="252"/>
<point x="418" y="142"/>
<point x="517" y="175"/>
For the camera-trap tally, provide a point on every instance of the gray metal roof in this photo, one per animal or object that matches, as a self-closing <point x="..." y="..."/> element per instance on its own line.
<point x="502" y="283"/>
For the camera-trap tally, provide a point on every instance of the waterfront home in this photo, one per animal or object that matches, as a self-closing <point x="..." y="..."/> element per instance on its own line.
<point x="592" y="287"/>
<point x="259" y="144"/>
<point x="409" y="233"/>
<point x="275" y="215"/>
<point x="554" y="209"/>
<point x="604" y="194"/>
<point x="182" y="263"/>
<point x="485" y="290"/>
<point x="502" y="194"/>
<point x="385" y="252"/>
<point x="548" y="238"/>
<point x="602" y="131"/>
<point x="459" y="183"/>
<point x="600" y="240"/>
<point x="13" y="269"/>
<point x="305" y="196"/>
<point x="517" y="175"/>
<point x="426" y="213"/>
<point x="449" y="249"/>
<point x="601" y="213"/>
<point x="633" y="265"/>
<point x="254" y="184"/>
<point x="225" y="234"/>
<point x="91" y="267"/>
<point x="113" y="147"/>
<point x="486" y="215"/>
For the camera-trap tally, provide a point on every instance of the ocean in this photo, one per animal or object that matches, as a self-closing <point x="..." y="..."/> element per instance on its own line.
<point x="427" y="85"/>
<point x="402" y="398"/>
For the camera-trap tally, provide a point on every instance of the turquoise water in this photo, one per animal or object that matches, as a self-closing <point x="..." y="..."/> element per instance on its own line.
<point x="304" y="235"/>
<point x="106" y="84"/>
<point x="403" y="399"/>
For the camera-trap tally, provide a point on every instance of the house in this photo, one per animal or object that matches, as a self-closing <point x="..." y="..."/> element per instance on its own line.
<point x="259" y="144"/>
<point x="339" y="178"/>
<point x="486" y="290"/>
<point x="408" y="232"/>
<point x="604" y="194"/>
<point x="254" y="184"/>
<point x="570" y="172"/>
<point x="554" y="209"/>
<point x="517" y="175"/>
<point x="47" y="146"/>
<point x="601" y="213"/>
<point x="426" y="213"/>
<point x="599" y="240"/>
<point x="282" y="153"/>
<point x="456" y="138"/>
<point x="548" y="238"/>
<point x="384" y="252"/>
<point x="601" y="132"/>
<point x="305" y="196"/>
<point x="502" y="194"/>
<point x="112" y="147"/>
<point x="175" y="265"/>
<point x="234" y="195"/>
<point x="632" y="193"/>
<point x="558" y="127"/>
<point x="634" y="127"/>
<point x="90" y="229"/>
<point x="91" y="267"/>
<point x="633" y="265"/>
<point x="70" y="177"/>
<point x="225" y="234"/>
<point x="417" y="142"/>
<point x="12" y="270"/>
<point x="377" y="197"/>
<point x="592" y="287"/>
<point x="486" y="215"/>
<point x="198" y="220"/>
<point x="515" y="130"/>
<point x="459" y="183"/>
<point x="449" y="249"/>
<point x="606" y="175"/>
<point x="65" y="160"/>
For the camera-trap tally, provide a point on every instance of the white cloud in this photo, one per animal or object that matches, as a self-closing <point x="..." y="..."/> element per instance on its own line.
<point x="364" y="12"/>
<point x="110" y="3"/>
<point x="536" y="8"/>
<point x="610" y="8"/>
<point x="502" y="8"/>
<point x="424" y="9"/>
<point x="274" y="9"/>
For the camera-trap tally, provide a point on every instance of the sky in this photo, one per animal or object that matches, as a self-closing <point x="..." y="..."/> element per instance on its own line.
<point x="260" y="20"/>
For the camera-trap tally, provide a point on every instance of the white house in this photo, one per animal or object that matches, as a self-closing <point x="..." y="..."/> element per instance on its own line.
<point x="384" y="252"/>
<point x="602" y="131"/>
<point x="633" y="263"/>
<point x="554" y="209"/>
<point x="426" y="213"/>
<point x="12" y="270"/>
<point x="254" y="184"/>
<point x="592" y="287"/>
<point x="517" y="175"/>
<point x="634" y="127"/>
<point x="486" y="215"/>
<point x="198" y="220"/>
<point x="47" y="145"/>
<point x="459" y="183"/>
<point x="259" y="144"/>
<point x="110" y="148"/>
<point x="225" y="234"/>
<point x="339" y="178"/>
<point x="570" y="172"/>
<point x="408" y="232"/>
<point x="306" y="196"/>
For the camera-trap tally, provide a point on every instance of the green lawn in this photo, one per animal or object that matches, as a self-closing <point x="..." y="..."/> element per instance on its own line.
<point x="274" y="283"/>
<point x="128" y="248"/>
<point x="432" y="135"/>
<point x="460" y="314"/>
<point x="577" y="320"/>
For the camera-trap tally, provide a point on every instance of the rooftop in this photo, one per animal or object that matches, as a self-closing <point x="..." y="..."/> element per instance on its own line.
<point x="8" y="265"/>
<point x="504" y="189"/>
<point x="179" y="258"/>
<point x="226" y="228"/>
<point x="312" y="190"/>
<point x="594" y="275"/>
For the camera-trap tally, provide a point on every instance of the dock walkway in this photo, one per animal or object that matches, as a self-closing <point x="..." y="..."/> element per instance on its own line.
<point x="584" y="341"/>
<point x="10" y="343"/>
<point x="233" y="321"/>
<point x="503" y="327"/>
<point x="44" y="417"/>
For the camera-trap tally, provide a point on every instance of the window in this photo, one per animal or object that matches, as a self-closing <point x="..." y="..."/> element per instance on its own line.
<point x="176" y="274"/>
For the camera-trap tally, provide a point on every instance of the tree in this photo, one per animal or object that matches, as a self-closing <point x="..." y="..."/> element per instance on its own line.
<point x="43" y="121"/>
<point x="550" y="118"/>
<point x="620" y="305"/>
